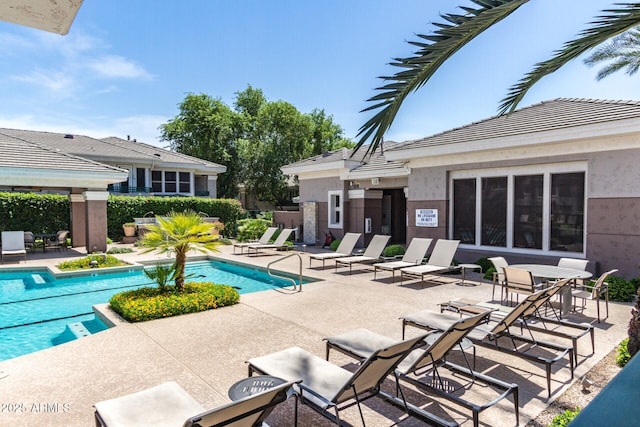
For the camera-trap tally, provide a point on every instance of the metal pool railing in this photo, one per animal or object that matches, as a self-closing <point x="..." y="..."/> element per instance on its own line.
<point x="297" y="287"/>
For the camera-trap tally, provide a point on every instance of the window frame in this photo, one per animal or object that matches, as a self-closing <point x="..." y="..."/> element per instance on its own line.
<point x="332" y="209"/>
<point x="546" y="170"/>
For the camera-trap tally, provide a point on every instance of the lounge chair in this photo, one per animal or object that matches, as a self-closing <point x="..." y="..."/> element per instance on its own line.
<point x="29" y="240"/>
<point x="327" y="387"/>
<point x="533" y="318"/>
<point x="279" y="243"/>
<point x="490" y="337"/>
<point x="371" y="254"/>
<point x="361" y="343"/>
<point x="344" y="249"/>
<point x="263" y="240"/>
<point x="13" y="244"/>
<point x="439" y="261"/>
<point x="413" y="256"/>
<point x="169" y="405"/>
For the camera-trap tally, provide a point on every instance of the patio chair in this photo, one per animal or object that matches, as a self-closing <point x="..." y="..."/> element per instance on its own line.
<point x="58" y="242"/>
<point x="279" y="243"/>
<point x="361" y="343"/>
<point x="599" y="289"/>
<point x="519" y="281"/>
<point x="575" y="263"/>
<point x="370" y="255"/>
<point x="170" y="405"/>
<point x="413" y="256"/>
<point x="439" y="261"/>
<point x="13" y="244"/>
<point x="263" y="240"/>
<point x="326" y="387"/>
<point x="29" y="240"/>
<point x="491" y="337"/>
<point x="498" y="276"/>
<point x="345" y="248"/>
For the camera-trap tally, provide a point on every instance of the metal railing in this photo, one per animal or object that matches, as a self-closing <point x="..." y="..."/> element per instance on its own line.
<point x="297" y="287"/>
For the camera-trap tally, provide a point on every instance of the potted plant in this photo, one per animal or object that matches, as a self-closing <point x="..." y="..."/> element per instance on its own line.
<point x="129" y="229"/>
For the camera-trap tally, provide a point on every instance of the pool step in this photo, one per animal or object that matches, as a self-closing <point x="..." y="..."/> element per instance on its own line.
<point x="71" y="332"/>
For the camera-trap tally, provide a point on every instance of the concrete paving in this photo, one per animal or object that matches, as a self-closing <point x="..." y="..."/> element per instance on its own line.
<point x="206" y="352"/>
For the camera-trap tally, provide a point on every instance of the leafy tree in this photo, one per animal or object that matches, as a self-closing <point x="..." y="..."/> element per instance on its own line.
<point x="206" y="128"/>
<point x="458" y="30"/>
<point x="327" y="135"/>
<point x="179" y="233"/>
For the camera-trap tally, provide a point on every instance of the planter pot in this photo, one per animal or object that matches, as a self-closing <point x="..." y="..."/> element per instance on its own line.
<point x="129" y="231"/>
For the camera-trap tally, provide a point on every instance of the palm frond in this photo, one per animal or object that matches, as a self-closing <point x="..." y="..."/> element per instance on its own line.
<point x="604" y="27"/>
<point x="433" y="50"/>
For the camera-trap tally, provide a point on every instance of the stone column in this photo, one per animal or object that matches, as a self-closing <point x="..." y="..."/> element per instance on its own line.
<point x="96" y="220"/>
<point x="78" y="220"/>
<point x="310" y="222"/>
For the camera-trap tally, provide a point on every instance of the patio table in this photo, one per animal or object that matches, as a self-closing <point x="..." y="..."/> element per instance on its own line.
<point x="545" y="271"/>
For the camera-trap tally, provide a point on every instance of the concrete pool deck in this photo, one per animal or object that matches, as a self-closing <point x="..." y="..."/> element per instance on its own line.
<point x="206" y="352"/>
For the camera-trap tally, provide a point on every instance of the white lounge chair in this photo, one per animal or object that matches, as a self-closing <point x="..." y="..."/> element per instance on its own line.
<point x="439" y="261"/>
<point x="370" y="255"/>
<point x="279" y="243"/>
<point x="413" y="256"/>
<point x="168" y="405"/>
<point x="344" y="249"/>
<point x="13" y="244"/>
<point x="263" y="240"/>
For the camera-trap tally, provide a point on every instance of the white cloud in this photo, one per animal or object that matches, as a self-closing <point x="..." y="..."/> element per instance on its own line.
<point x="115" y="66"/>
<point x="55" y="81"/>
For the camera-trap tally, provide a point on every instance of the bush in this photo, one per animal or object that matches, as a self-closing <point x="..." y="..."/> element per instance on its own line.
<point x="487" y="267"/>
<point x="623" y="355"/>
<point x="122" y="250"/>
<point x="393" y="251"/>
<point x="622" y="290"/>
<point x="334" y="244"/>
<point x="249" y="228"/>
<point x="565" y="418"/>
<point x="102" y="261"/>
<point x="155" y="303"/>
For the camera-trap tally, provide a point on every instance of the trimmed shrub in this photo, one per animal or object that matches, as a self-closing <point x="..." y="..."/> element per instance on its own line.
<point x="623" y="355"/>
<point x="622" y="290"/>
<point x="334" y="244"/>
<point x="393" y="251"/>
<point x="84" y="263"/>
<point x="155" y="303"/>
<point x="564" y="418"/>
<point x="487" y="267"/>
<point x="118" y="250"/>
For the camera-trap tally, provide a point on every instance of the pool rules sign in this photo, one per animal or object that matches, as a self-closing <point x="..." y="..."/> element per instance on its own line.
<point x="426" y="217"/>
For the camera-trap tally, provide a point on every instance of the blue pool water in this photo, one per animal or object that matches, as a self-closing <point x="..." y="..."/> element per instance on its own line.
<point x="38" y="310"/>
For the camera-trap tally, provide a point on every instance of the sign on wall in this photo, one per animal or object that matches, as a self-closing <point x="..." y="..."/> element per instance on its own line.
<point x="426" y="217"/>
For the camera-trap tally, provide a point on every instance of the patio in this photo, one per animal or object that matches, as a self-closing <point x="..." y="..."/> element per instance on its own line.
<point x="206" y="352"/>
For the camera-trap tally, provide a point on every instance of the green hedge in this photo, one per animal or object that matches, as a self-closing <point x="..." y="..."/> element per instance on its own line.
<point x="155" y="303"/>
<point x="49" y="213"/>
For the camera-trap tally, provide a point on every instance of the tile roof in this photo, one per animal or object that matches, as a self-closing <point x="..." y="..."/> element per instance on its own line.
<point x="560" y="113"/>
<point x="110" y="149"/>
<point x="326" y="157"/>
<point x="18" y="153"/>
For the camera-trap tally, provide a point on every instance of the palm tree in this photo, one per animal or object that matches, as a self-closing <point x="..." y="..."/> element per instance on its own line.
<point x="179" y="233"/>
<point x="622" y="51"/>
<point x="458" y="30"/>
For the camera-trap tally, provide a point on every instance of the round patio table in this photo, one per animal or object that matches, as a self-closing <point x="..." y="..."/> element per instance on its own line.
<point x="252" y="385"/>
<point x="545" y="271"/>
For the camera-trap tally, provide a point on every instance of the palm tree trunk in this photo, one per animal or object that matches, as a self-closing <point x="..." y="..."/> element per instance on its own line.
<point x="181" y="259"/>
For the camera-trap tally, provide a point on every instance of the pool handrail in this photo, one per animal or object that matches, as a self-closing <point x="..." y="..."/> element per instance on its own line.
<point x="295" y="286"/>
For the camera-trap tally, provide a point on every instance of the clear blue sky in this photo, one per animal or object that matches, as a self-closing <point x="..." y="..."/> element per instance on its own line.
<point x="126" y="65"/>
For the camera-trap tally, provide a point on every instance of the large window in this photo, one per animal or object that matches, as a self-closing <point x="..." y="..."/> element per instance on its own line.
<point x="335" y="209"/>
<point x="185" y="182"/>
<point x="528" y="208"/>
<point x="170" y="182"/>
<point x="156" y="181"/>
<point x="464" y="210"/>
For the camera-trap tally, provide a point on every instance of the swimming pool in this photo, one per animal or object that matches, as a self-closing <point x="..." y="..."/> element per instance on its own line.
<point x="39" y="310"/>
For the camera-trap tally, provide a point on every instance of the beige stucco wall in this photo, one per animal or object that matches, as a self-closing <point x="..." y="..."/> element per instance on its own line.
<point x="316" y="190"/>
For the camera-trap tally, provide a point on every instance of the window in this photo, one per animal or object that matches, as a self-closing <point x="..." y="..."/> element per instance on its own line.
<point x="141" y="181"/>
<point x="156" y="181"/>
<point x="185" y="182"/>
<point x="494" y="211"/>
<point x="464" y="210"/>
<point x="537" y="207"/>
<point x="567" y="212"/>
<point x="170" y="182"/>
<point x="335" y="209"/>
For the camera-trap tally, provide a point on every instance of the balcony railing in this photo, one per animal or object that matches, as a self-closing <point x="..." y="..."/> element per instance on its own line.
<point x="125" y="189"/>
